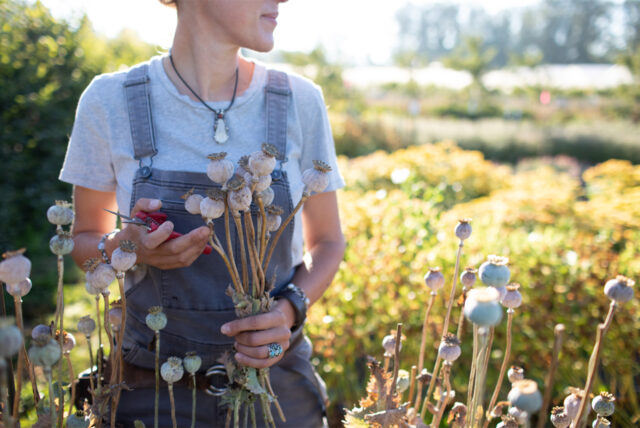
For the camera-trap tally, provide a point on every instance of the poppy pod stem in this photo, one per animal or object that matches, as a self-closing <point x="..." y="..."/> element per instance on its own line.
<point x="243" y="254"/>
<point x="503" y="367"/>
<point x="98" y="352"/>
<point x="52" y="407"/>
<point x="579" y="421"/>
<point x="60" y="327"/>
<point x="232" y="261"/>
<point x="263" y="230"/>
<point x="157" y="396"/>
<point x="423" y="345"/>
<point x="558" y="333"/>
<point x="444" y="398"/>
<point x="233" y="272"/>
<point x="476" y="408"/>
<point x="22" y="357"/>
<point x="284" y="225"/>
<point x="445" y="327"/>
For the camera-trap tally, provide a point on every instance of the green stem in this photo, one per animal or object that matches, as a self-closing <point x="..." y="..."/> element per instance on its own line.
<point x="98" y="352"/>
<point x="157" y="397"/>
<point x="92" y="385"/>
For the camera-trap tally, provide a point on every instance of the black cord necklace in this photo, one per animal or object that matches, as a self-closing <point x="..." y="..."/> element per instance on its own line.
<point x="220" y="127"/>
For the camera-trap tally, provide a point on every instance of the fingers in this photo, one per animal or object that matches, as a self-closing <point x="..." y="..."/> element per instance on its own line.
<point x="154" y="239"/>
<point x="257" y="322"/>
<point x="258" y="357"/>
<point x="147" y="205"/>
<point x="259" y="352"/>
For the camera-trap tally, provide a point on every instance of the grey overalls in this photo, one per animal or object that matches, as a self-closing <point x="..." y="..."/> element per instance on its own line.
<point x="194" y="298"/>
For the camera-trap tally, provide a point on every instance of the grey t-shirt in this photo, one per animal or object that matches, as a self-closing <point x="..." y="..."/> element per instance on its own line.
<point x="100" y="152"/>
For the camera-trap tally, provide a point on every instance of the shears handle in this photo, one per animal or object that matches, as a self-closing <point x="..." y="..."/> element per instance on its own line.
<point x="155" y="219"/>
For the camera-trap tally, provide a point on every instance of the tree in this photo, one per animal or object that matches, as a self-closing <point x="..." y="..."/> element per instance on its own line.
<point x="44" y="67"/>
<point x="473" y="56"/>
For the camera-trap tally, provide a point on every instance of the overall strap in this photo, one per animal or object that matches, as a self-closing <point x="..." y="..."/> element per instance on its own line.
<point x="137" y="93"/>
<point x="277" y="104"/>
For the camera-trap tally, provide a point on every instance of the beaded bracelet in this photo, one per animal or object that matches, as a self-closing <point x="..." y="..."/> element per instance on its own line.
<point x="105" y="257"/>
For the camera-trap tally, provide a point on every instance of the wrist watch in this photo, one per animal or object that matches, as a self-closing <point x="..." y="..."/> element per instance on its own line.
<point x="299" y="301"/>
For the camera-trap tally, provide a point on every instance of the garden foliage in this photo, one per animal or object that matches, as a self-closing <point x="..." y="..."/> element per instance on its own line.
<point x="564" y="235"/>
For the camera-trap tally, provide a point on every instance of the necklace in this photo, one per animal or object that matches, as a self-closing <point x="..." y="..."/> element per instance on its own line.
<point x="220" y="127"/>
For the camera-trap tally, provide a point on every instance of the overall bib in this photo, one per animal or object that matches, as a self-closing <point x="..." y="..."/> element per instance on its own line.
<point x="193" y="298"/>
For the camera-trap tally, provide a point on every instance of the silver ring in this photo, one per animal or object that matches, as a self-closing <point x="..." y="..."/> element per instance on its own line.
<point x="275" y="350"/>
<point x="219" y="370"/>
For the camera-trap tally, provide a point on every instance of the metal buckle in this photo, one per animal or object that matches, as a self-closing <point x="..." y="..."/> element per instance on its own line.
<point x="218" y="369"/>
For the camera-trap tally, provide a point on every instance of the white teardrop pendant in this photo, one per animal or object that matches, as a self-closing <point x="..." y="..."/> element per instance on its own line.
<point x="220" y="130"/>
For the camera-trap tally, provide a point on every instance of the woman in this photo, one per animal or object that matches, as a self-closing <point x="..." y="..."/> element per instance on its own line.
<point x="141" y="139"/>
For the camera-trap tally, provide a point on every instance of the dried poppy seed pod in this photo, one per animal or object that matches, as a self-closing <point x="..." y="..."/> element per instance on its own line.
<point x="156" y="319"/>
<point x="20" y="289"/>
<point x="512" y="298"/>
<point x="525" y="395"/>
<point x="68" y="341"/>
<point x="316" y="179"/>
<point x="115" y="315"/>
<point x="239" y="196"/>
<point x="559" y="417"/>
<point x="603" y="404"/>
<point x="98" y="276"/>
<point x="520" y="415"/>
<point x="468" y="277"/>
<point x="463" y="229"/>
<point x="15" y="267"/>
<point x="61" y="243"/>
<point x="192" y="204"/>
<point x="494" y="272"/>
<point x="262" y="162"/>
<point x="266" y="195"/>
<point x="124" y="257"/>
<point x="40" y="330"/>
<point x="508" y="422"/>
<point x="482" y="307"/>
<point x="434" y="279"/>
<point x="449" y="349"/>
<point x="260" y="182"/>
<point x="10" y="337"/>
<point x="620" y="289"/>
<point x="212" y="206"/>
<point x="192" y="362"/>
<point x="86" y="325"/>
<point x="389" y="345"/>
<point x="274" y="219"/>
<point x="44" y="352"/>
<point x="403" y="382"/>
<point x="515" y="373"/>
<point x="171" y="370"/>
<point x="219" y="169"/>
<point x="458" y="415"/>
<point x="60" y="214"/>
<point x="572" y="403"/>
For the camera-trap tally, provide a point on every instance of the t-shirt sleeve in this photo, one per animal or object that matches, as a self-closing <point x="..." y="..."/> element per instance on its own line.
<point x="88" y="161"/>
<point x="318" y="139"/>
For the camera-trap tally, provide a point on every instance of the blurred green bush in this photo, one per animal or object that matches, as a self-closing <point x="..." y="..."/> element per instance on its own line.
<point x="564" y="234"/>
<point x="45" y="65"/>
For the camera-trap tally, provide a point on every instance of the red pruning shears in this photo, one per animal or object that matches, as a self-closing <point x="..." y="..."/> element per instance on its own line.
<point x="151" y="222"/>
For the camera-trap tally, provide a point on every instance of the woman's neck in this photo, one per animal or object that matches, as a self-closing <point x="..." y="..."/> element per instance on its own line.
<point x="207" y="65"/>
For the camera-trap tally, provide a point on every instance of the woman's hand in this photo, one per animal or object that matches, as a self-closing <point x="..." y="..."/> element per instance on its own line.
<point x="154" y="249"/>
<point x="253" y="335"/>
<point x="92" y="222"/>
